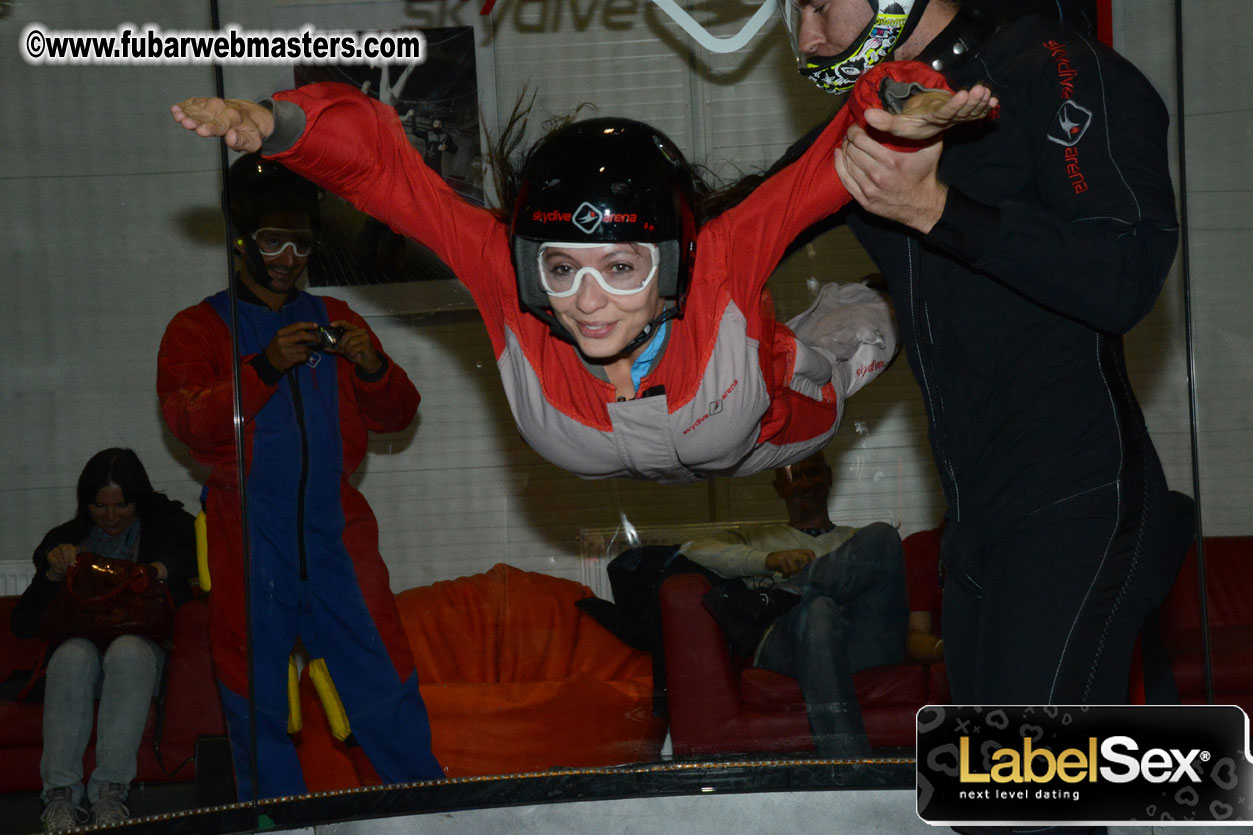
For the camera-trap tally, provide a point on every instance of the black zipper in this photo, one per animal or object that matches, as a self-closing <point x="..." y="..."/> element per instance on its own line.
<point x="298" y="405"/>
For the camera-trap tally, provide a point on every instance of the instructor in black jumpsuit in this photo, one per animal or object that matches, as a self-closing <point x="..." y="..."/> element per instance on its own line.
<point x="1018" y="252"/>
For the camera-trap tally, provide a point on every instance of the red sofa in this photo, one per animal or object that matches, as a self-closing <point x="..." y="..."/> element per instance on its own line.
<point x="192" y="707"/>
<point x="1229" y="592"/>
<point x="720" y="705"/>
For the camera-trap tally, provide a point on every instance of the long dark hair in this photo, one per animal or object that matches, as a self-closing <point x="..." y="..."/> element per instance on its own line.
<point x="112" y="466"/>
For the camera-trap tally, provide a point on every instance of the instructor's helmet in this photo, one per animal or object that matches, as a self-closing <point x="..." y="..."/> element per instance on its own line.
<point x="892" y="24"/>
<point x="605" y="180"/>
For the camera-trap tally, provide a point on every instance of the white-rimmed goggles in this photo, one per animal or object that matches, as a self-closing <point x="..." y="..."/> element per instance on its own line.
<point x="560" y="281"/>
<point x="272" y="240"/>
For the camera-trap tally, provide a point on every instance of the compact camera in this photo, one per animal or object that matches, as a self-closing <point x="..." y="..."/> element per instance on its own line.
<point x="328" y="336"/>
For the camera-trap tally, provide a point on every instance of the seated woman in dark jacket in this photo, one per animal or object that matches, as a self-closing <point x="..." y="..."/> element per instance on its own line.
<point x="120" y="516"/>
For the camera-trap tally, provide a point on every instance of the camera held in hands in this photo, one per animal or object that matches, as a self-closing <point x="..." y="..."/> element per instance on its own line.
<point x="329" y="336"/>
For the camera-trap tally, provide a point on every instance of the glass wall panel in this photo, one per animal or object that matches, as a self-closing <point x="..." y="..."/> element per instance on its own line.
<point x="445" y="538"/>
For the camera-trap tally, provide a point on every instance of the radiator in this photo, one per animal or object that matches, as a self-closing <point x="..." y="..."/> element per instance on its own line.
<point x="15" y="576"/>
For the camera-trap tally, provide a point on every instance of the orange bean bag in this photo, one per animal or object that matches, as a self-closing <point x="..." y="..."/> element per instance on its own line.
<point x="515" y="678"/>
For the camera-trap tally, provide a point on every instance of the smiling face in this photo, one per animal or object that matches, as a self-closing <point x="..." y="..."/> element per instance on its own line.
<point x="111" y="511"/>
<point x="284" y="269"/>
<point x="602" y="323"/>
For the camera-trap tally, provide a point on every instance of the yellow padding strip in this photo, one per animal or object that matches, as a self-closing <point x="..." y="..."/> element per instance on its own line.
<point x="202" y="550"/>
<point x="295" y="721"/>
<point x="329" y="697"/>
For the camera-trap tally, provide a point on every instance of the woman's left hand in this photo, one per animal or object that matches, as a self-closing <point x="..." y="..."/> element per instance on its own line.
<point x="928" y="113"/>
<point x="356" y="347"/>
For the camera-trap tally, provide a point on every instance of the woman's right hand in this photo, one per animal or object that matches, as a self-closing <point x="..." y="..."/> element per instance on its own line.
<point x="60" y="559"/>
<point x="241" y="123"/>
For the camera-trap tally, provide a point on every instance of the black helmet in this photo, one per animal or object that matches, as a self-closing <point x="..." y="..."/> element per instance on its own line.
<point x="891" y="26"/>
<point x="605" y="180"/>
<point x="259" y="186"/>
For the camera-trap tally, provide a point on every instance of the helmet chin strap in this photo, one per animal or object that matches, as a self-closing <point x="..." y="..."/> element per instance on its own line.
<point x="893" y="23"/>
<point x="650" y="330"/>
<point x="255" y="264"/>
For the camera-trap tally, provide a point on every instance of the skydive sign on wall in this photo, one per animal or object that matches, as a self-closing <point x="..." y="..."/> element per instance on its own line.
<point x="1093" y="765"/>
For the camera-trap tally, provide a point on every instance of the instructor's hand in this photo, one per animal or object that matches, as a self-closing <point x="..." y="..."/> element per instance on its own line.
<point x="903" y="186"/>
<point x="242" y="124"/>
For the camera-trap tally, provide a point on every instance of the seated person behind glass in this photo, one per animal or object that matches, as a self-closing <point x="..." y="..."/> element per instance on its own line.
<point x="926" y="587"/>
<point x="850" y="610"/>
<point x="119" y="516"/>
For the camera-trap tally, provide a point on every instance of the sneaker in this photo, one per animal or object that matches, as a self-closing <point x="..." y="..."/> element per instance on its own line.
<point x="109" y="808"/>
<point x="60" y="812"/>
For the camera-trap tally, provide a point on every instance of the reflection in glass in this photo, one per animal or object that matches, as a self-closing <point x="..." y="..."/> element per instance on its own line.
<point x="114" y="228"/>
<point x="102" y="599"/>
<point x="313" y="379"/>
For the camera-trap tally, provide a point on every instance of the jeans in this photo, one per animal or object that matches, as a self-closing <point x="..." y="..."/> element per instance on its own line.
<point x="125" y="679"/>
<point x="853" y="614"/>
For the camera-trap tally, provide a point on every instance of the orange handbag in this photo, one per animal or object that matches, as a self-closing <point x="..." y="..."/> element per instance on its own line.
<point x="103" y="598"/>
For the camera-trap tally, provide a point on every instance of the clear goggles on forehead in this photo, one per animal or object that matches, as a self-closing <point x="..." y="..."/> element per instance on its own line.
<point x="272" y="240"/>
<point x="630" y="269"/>
<point x="792" y="11"/>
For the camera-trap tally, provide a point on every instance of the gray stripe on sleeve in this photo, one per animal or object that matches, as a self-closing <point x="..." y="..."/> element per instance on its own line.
<point x="289" y="125"/>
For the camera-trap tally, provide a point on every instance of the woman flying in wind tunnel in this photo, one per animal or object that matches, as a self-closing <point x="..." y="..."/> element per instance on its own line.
<point x="629" y="329"/>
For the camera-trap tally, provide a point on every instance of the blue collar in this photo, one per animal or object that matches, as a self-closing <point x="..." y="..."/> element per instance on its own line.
<point x="648" y="357"/>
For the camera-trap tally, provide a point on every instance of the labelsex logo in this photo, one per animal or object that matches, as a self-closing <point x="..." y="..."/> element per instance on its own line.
<point x="1073" y="765"/>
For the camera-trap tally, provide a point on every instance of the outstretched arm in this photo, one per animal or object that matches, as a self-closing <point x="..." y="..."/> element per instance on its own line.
<point x="355" y="147"/>
<point x="805" y="187"/>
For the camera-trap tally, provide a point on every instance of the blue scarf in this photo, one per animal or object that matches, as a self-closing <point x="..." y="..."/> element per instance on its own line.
<point x="124" y="546"/>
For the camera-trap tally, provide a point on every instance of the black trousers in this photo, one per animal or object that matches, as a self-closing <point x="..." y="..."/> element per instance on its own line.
<point x="1047" y="609"/>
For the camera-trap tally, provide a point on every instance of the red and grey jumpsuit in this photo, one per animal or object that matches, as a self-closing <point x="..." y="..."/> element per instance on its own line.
<point x="734" y="392"/>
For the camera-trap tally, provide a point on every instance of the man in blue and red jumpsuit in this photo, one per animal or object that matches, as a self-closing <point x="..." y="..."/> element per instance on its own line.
<point x="316" y="574"/>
